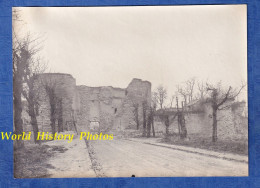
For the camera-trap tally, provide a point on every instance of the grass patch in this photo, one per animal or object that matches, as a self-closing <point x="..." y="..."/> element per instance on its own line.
<point x="228" y="146"/>
<point x="31" y="161"/>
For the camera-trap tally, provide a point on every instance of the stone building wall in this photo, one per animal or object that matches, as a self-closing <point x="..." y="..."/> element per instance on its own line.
<point x="232" y="123"/>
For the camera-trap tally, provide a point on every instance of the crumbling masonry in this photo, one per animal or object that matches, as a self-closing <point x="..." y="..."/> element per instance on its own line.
<point x="103" y="108"/>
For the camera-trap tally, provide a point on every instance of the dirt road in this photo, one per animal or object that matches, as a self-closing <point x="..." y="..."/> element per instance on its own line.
<point x="124" y="158"/>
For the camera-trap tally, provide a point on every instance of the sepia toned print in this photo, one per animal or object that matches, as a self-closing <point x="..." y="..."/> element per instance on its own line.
<point x="155" y="91"/>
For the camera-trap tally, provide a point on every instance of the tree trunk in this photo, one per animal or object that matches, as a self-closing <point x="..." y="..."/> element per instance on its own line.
<point x="34" y="122"/>
<point x="53" y="107"/>
<point x="149" y="124"/>
<point x="136" y="115"/>
<point x="144" y="118"/>
<point x="60" y="119"/>
<point x="53" y="126"/>
<point x="214" y="132"/>
<point x="35" y="128"/>
<point x="53" y="119"/>
<point x="167" y="124"/>
<point x="182" y="126"/>
<point x="167" y="130"/>
<point x="153" y="126"/>
<point x="60" y="125"/>
<point x="18" y="122"/>
<point x="137" y="120"/>
<point x="144" y="124"/>
<point x="148" y="130"/>
<point x="185" y="101"/>
<point x="184" y="130"/>
<point x="32" y="108"/>
<point x="179" y="124"/>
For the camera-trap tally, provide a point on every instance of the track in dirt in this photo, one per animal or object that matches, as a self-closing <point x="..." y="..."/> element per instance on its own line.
<point x="96" y="166"/>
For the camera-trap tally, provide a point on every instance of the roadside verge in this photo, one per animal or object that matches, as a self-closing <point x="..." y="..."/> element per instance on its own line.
<point x="226" y="156"/>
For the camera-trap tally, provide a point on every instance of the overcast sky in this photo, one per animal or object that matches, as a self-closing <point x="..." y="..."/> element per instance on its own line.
<point x="102" y="46"/>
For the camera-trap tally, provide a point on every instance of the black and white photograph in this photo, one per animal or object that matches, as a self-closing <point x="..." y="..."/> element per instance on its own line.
<point x="130" y="91"/>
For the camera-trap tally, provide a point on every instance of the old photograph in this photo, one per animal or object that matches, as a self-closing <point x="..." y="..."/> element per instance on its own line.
<point x="130" y="91"/>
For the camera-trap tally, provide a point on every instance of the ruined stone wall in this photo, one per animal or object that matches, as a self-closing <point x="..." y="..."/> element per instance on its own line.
<point x="111" y="107"/>
<point x="232" y="124"/>
<point x="137" y="92"/>
<point x="98" y="104"/>
<point x="65" y="86"/>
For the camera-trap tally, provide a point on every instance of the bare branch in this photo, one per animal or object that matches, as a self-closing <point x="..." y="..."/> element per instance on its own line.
<point x="225" y="98"/>
<point x="161" y="95"/>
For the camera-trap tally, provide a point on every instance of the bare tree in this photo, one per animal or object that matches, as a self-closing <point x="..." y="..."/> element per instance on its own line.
<point x="136" y="114"/>
<point x="186" y="90"/>
<point x="50" y="85"/>
<point x="171" y="102"/>
<point x="31" y="94"/>
<point x="31" y="90"/>
<point x="154" y="100"/>
<point x="149" y="123"/>
<point x="60" y="116"/>
<point x="190" y="88"/>
<point x="150" y="120"/>
<point x="202" y="89"/>
<point x="161" y="95"/>
<point x="181" y="120"/>
<point x="144" y="106"/>
<point x="25" y="66"/>
<point x="218" y="98"/>
<point x="19" y="60"/>
<point x="20" y="56"/>
<point x="50" y="91"/>
<point x="152" y="111"/>
<point x="183" y="92"/>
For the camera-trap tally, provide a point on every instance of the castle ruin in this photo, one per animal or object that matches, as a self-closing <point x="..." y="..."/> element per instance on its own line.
<point x="101" y="108"/>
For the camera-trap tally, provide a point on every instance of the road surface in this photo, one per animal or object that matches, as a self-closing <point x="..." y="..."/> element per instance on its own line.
<point x="124" y="158"/>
